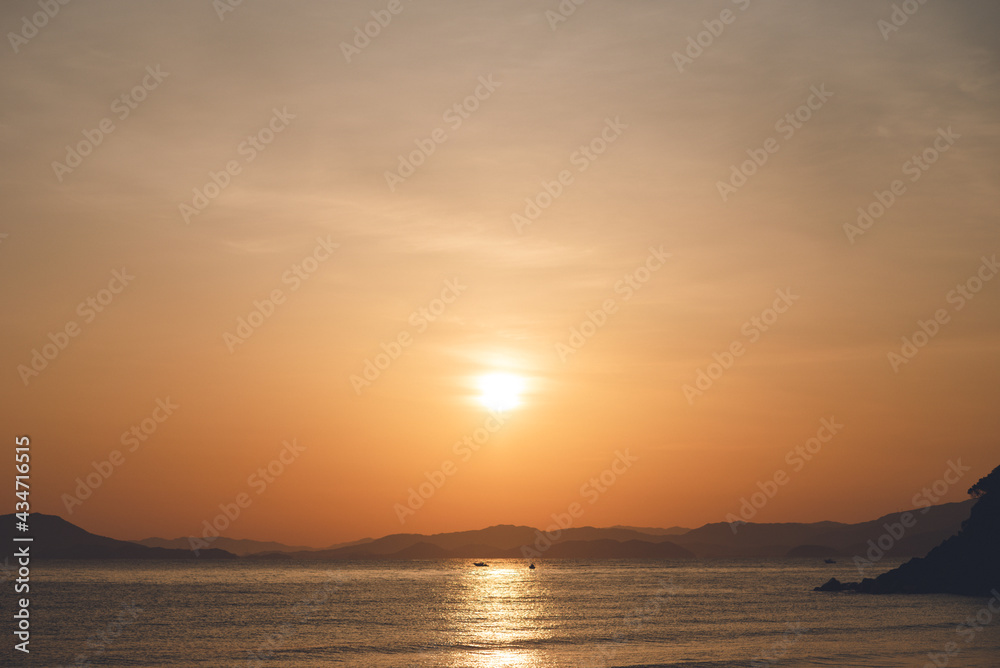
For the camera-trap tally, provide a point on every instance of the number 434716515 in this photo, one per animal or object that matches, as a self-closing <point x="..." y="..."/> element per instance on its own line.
<point x="22" y="459"/>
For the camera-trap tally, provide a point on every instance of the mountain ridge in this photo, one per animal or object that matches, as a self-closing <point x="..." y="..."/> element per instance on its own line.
<point x="713" y="540"/>
<point x="56" y="538"/>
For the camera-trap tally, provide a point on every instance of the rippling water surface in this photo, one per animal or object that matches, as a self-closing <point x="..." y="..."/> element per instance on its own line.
<point x="451" y="613"/>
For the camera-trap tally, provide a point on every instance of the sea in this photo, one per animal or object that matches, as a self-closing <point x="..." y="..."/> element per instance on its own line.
<point x="580" y="614"/>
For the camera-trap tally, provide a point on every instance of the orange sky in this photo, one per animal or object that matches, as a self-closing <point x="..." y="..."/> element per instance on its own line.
<point x="620" y="133"/>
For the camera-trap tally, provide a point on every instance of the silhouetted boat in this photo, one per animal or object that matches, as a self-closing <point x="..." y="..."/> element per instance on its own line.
<point x="480" y="563"/>
<point x="531" y="567"/>
<point x="830" y="561"/>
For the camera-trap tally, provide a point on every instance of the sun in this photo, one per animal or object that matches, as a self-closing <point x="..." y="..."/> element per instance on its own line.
<point x="500" y="391"/>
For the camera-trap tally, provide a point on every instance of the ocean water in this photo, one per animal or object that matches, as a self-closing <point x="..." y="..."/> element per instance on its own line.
<point x="450" y="613"/>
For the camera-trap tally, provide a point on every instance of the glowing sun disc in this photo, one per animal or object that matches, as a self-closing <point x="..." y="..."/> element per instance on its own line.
<point x="500" y="391"/>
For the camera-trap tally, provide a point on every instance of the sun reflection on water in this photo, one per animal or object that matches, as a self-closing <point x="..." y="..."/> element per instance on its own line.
<point x="502" y="614"/>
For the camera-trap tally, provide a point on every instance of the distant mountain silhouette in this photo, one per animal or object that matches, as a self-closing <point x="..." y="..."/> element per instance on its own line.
<point x="653" y="531"/>
<point x="613" y="549"/>
<point x="800" y="540"/>
<point x="933" y="525"/>
<point x="967" y="563"/>
<point x="752" y="540"/>
<point x="55" y="538"/>
<point x="506" y="541"/>
<point x="241" y="547"/>
<point x="422" y="551"/>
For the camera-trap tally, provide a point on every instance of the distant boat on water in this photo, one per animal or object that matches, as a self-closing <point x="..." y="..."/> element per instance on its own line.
<point x="480" y="563"/>
<point x="830" y="561"/>
<point x="531" y="567"/>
